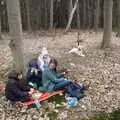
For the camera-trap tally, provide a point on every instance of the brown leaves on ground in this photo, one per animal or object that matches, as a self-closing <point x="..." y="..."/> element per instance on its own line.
<point x="99" y="68"/>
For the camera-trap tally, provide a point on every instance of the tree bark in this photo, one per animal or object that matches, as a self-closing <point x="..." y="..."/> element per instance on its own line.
<point x="46" y="15"/>
<point x="108" y="5"/>
<point x="38" y="18"/>
<point x="70" y="7"/>
<point x="118" y="18"/>
<point x="0" y="19"/>
<point x="15" y="29"/>
<point x="89" y="13"/>
<point x="27" y="2"/>
<point x="0" y="27"/>
<point x="71" y="16"/>
<point x="84" y="13"/>
<point x="97" y="14"/>
<point x="78" y="16"/>
<point x="51" y="14"/>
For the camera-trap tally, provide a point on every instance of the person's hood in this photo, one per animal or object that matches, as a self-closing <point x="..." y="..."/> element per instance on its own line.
<point x="34" y="64"/>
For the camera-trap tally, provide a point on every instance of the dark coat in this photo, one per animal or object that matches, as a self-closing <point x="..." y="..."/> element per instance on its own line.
<point x="14" y="92"/>
<point x="35" y="78"/>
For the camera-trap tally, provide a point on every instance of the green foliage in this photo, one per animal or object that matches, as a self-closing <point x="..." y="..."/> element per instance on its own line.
<point x="2" y="72"/>
<point x="57" y="99"/>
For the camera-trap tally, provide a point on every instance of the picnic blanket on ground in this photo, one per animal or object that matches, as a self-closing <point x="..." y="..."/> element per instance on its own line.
<point x="43" y="97"/>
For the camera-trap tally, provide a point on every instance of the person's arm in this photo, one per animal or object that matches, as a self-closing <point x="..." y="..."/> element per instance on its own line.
<point x="39" y="75"/>
<point x="29" y="74"/>
<point x="53" y="78"/>
<point x="17" y="91"/>
<point x="61" y="75"/>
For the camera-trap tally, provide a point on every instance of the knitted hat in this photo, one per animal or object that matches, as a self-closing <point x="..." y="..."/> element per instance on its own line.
<point x="33" y="64"/>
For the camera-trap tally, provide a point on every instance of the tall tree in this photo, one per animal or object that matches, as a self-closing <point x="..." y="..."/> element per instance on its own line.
<point x="15" y="27"/>
<point x="118" y="18"/>
<point x="84" y="14"/>
<point x="51" y="14"/>
<point x="70" y="6"/>
<point x="46" y="13"/>
<point x="71" y="15"/>
<point x="39" y="15"/>
<point x="88" y="13"/>
<point x="0" y="26"/>
<point x="97" y="14"/>
<point x="108" y="5"/>
<point x="2" y="6"/>
<point x="78" y="16"/>
<point x="27" y="3"/>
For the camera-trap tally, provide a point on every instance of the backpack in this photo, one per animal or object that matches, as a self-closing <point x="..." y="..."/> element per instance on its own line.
<point x="75" y="90"/>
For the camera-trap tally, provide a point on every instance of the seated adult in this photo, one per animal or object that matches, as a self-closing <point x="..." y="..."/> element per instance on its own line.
<point x="34" y="75"/>
<point x="13" y="90"/>
<point x="52" y="80"/>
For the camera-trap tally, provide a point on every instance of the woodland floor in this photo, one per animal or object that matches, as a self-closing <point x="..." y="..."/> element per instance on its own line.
<point x="99" y="68"/>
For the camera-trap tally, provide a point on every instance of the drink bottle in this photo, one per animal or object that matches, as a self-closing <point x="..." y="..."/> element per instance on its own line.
<point x="37" y="103"/>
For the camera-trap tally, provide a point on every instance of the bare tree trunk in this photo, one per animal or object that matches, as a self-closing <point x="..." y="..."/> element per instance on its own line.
<point x="15" y="27"/>
<point x="78" y="16"/>
<point x="51" y="14"/>
<point x="71" y="16"/>
<point x="70" y="6"/>
<point x="89" y="13"/>
<point x="84" y="13"/>
<point x="118" y="18"/>
<point x="4" y="18"/>
<point x="46" y="15"/>
<point x="108" y="5"/>
<point x="38" y="18"/>
<point x="27" y="2"/>
<point x="97" y="14"/>
<point x="0" y="27"/>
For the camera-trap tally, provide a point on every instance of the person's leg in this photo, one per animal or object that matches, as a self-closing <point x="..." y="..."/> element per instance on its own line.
<point x="61" y="84"/>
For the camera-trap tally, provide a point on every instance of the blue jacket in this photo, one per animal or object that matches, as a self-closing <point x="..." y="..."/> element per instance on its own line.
<point x="49" y="78"/>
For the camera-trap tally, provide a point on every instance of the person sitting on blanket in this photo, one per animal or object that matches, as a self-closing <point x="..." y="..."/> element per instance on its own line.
<point x="13" y="89"/>
<point x="52" y="80"/>
<point x="43" y="59"/>
<point x="34" y="75"/>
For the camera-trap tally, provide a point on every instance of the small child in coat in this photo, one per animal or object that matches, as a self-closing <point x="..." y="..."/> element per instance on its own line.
<point x="13" y="89"/>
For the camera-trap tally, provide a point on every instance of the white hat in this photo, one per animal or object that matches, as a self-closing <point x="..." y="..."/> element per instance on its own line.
<point x="44" y="51"/>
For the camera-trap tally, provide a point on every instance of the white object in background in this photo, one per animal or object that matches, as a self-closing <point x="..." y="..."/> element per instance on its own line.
<point x="78" y="51"/>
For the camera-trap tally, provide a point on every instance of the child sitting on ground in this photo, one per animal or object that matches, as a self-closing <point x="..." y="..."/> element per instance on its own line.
<point x="52" y="80"/>
<point x="34" y="75"/>
<point x="13" y="90"/>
